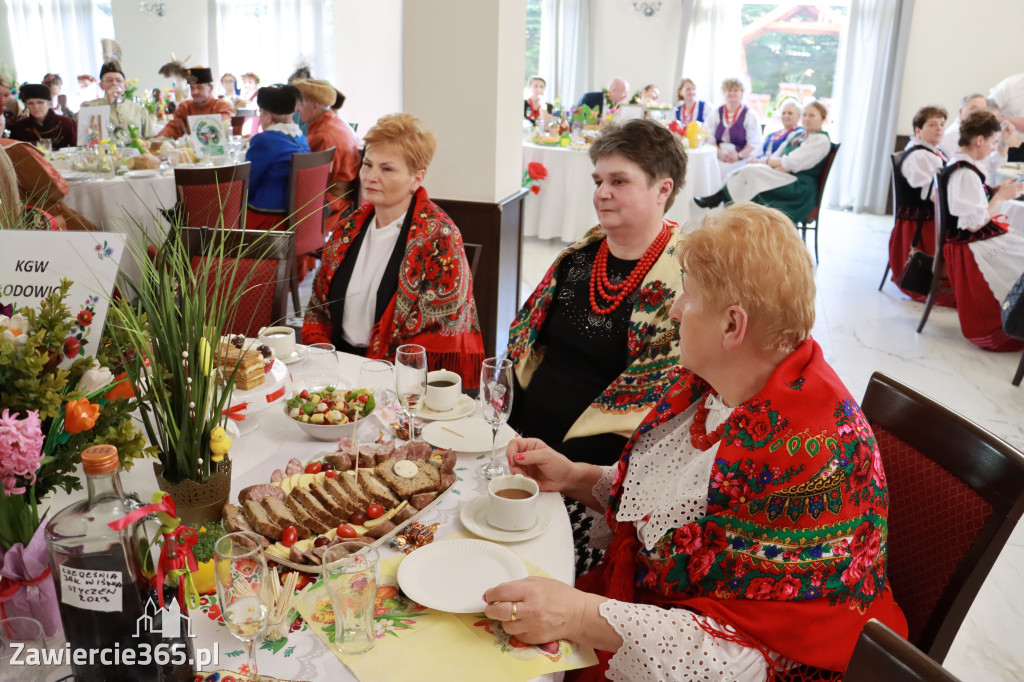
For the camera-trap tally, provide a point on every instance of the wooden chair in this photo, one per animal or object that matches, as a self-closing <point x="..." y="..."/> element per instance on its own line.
<point x="814" y="216"/>
<point x="307" y="209"/>
<point x="894" y="159"/>
<point x="473" y="252"/>
<point x="213" y="197"/>
<point x="263" y="256"/>
<point x="883" y="656"/>
<point x="956" y="492"/>
<point x="942" y="217"/>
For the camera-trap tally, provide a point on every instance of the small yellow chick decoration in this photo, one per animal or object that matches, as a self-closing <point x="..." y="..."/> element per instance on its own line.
<point x="220" y="443"/>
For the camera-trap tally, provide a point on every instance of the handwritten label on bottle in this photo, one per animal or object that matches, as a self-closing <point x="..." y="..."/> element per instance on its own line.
<point x="91" y="590"/>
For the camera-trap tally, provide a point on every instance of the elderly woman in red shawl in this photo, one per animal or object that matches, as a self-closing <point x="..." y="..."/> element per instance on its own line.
<point x="748" y="510"/>
<point x="396" y="272"/>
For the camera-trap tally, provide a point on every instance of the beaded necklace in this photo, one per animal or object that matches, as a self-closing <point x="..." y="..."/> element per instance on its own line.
<point x="730" y="119"/>
<point x="699" y="436"/>
<point x="615" y="294"/>
<point x="687" y="117"/>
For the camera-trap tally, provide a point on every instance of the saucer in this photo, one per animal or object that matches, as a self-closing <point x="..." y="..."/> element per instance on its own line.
<point x="298" y="354"/>
<point x="474" y="518"/>
<point x="463" y="408"/>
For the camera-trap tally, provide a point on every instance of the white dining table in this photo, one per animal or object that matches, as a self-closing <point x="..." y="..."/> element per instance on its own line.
<point x="269" y="446"/>
<point x="1014" y="210"/>
<point x="129" y="205"/>
<point x="564" y="209"/>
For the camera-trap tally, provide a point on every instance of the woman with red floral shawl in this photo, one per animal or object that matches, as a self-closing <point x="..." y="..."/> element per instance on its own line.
<point x="748" y="510"/>
<point x="396" y="272"/>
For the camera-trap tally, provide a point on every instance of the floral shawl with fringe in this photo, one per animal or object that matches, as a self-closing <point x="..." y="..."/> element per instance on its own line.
<point x="433" y="305"/>
<point x="652" y="341"/>
<point x="792" y="549"/>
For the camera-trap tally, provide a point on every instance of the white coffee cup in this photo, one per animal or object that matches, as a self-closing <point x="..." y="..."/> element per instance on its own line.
<point x="444" y="388"/>
<point x="512" y="502"/>
<point x="280" y="339"/>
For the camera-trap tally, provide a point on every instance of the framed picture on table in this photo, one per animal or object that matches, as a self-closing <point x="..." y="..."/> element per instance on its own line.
<point x="208" y="136"/>
<point x="93" y="125"/>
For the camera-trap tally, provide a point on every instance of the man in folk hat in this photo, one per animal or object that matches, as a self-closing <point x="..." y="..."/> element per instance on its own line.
<point x="326" y="129"/>
<point x="123" y="112"/>
<point x="270" y="154"/>
<point x="203" y="102"/>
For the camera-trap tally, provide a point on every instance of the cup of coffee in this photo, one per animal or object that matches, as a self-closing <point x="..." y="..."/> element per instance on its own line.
<point x="444" y="388"/>
<point x="512" y="502"/>
<point x="280" y="339"/>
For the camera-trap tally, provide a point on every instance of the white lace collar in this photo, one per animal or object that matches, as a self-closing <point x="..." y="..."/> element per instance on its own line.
<point x="667" y="481"/>
<point x="289" y="129"/>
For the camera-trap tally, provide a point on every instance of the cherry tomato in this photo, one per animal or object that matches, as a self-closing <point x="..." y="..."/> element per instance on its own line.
<point x="358" y="518"/>
<point x="331" y="473"/>
<point x="289" y="536"/>
<point x="346" y="531"/>
<point x="304" y="394"/>
<point x="321" y="541"/>
<point x="362" y="398"/>
<point x="375" y="511"/>
<point x="314" y="468"/>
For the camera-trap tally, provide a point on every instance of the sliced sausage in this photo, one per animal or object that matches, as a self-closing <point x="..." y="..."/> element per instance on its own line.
<point x="277" y="476"/>
<point x="294" y="467"/>
<point x="380" y="530"/>
<point x="340" y="461"/>
<point x="448" y="459"/>
<point x="447" y="481"/>
<point x="257" y="492"/>
<point x="408" y="511"/>
<point x="421" y="500"/>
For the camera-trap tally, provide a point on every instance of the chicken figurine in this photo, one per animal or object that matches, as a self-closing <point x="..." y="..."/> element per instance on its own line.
<point x="220" y="443"/>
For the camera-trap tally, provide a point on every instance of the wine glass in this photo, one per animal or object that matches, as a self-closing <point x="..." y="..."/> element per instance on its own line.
<point x="496" y="405"/>
<point x="411" y="371"/>
<point x="241" y="572"/>
<point x="379" y="376"/>
<point x="322" y="368"/>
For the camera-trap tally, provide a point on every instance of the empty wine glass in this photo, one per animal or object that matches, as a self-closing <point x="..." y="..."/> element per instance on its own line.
<point x="322" y="368"/>
<point x="241" y="572"/>
<point x="496" y="405"/>
<point x="379" y="376"/>
<point x="411" y="376"/>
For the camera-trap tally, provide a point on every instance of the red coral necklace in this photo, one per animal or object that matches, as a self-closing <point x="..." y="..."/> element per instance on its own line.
<point x="699" y="436"/>
<point x="615" y="294"/>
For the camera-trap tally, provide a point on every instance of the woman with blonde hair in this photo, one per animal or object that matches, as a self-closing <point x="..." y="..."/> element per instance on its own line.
<point x="748" y="511"/>
<point x="789" y="181"/>
<point x="395" y="271"/>
<point x="690" y="108"/>
<point x="734" y="128"/>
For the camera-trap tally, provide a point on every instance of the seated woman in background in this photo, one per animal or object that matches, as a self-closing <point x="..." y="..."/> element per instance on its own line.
<point x="42" y="123"/>
<point x="983" y="259"/>
<point x="734" y="128"/>
<point x="649" y="95"/>
<point x="788" y="182"/>
<point x="270" y="154"/>
<point x="124" y="113"/>
<point x="594" y="347"/>
<point x="690" y="108"/>
<point x="395" y="271"/>
<point x="723" y="564"/>
<point x="535" y="107"/>
<point x="789" y="116"/>
<point x="915" y="204"/>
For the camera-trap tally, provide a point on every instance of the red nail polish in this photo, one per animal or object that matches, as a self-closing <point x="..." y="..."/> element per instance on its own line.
<point x="520" y="457"/>
<point x="485" y="596"/>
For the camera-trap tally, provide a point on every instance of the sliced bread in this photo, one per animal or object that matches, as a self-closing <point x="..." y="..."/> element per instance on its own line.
<point x="307" y="519"/>
<point x="354" y="492"/>
<point x="377" y="490"/>
<point x="327" y="502"/>
<point x="260" y="521"/>
<point x="282" y="516"/>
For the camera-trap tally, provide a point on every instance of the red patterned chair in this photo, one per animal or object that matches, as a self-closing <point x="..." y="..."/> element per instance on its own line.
<point x="956" y="492"/>
<point x="262" y="256"/>
<point x="307" y="210"/>
<point x="213" y="197"/>
<point x="883" y="656"/>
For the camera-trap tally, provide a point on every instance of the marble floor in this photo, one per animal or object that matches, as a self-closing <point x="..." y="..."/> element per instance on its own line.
<point x="861" y="331"/>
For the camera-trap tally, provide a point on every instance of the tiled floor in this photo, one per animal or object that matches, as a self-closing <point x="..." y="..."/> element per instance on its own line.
<point x="862" y="330"/>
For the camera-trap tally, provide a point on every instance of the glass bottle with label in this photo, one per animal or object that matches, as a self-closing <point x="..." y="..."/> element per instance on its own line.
<point x="101" y="588"/>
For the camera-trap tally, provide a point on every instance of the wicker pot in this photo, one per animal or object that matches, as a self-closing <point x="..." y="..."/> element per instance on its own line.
<point x="197" y="503"/>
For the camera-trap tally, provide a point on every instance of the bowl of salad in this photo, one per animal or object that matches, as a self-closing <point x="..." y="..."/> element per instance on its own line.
<point x="330" y="414"/>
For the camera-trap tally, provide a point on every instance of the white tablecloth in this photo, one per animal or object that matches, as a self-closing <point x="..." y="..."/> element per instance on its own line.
<point x="564" y="207"/>
<point x="276" y="440"/>
<point x="1014" y="210"/>
<point x="128" y="206"/>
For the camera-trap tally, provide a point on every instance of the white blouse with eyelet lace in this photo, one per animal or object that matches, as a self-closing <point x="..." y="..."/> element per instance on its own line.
<point x="667" y="482"/>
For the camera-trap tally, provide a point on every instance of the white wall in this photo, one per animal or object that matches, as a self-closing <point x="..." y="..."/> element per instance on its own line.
<point x="147" y="42"/>
<point x="463" y="68"/>
<point x="941" y="68"/>
<point x="368" y="63"/>
<point x="6" y="50"/>
<point x="638" y="48"/>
